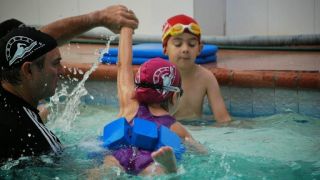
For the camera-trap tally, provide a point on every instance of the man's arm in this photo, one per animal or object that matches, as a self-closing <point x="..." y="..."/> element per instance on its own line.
<point x="112" y="17"/>
<point x="216" y="101"/>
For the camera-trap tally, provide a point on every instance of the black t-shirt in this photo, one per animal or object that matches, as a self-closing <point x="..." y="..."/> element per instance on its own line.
<point x="22" y="133"/>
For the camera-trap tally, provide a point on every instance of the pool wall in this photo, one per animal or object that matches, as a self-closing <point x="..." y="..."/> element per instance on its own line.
<point x="240" y="101"/>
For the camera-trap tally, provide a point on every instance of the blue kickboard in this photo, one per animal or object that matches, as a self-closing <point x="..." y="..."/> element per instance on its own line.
<point x="152" y="50"/>
<point x="141" y="60"/>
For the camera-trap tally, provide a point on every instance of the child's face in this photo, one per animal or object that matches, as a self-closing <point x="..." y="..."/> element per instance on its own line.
<point x="183" y="49"/>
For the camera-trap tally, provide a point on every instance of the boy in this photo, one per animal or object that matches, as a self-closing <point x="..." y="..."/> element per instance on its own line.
<point x="181" y="41"/>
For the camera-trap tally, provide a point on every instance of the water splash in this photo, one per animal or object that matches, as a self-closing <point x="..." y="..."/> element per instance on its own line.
<point x="64" y="106"/>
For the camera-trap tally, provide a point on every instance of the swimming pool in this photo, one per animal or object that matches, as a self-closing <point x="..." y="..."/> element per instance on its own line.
<point x="282" y="145"/>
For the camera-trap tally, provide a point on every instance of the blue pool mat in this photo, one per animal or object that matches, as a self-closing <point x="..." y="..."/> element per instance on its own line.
<point x="140" y="60"/>
<point x="143" y="52"/>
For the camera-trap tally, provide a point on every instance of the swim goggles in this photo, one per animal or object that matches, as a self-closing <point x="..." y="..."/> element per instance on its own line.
<point x="159" y="87"/>
<point x="180" y="28"/>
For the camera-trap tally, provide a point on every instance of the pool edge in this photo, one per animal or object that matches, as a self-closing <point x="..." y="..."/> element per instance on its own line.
<point x="229" y="77"/>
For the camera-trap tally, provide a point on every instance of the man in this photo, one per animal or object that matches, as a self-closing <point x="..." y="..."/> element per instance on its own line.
<point x="112" y="17"/>
<point x="30" y="67"/>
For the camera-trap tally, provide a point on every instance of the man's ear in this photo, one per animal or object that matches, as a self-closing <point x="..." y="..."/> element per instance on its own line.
<point x="26" y="70"/>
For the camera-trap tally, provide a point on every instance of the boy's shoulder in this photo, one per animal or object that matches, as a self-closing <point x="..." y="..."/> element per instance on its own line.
<point x="204" y="72"/>
<point x="200" y="76"/>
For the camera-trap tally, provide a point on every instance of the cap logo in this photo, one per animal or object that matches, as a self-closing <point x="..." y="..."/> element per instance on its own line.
<point x="21" y="47"/>
<point x="167" y="75"/>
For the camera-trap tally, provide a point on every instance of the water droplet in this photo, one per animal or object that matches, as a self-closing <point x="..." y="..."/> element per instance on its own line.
<point x="64" y="103"/>
<point x="29" y="134"/>
<point x="75" y="79"/>
<point x="74" y="71"/>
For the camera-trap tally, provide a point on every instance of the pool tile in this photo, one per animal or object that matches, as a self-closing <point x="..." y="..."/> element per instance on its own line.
<point x="241" y="102"/>
<point x="286" y="100"/>
<point x="226" y="94"/>
<point x="102" y="93"/>
<point x="309" y="102"/>
<point x="263" y="101"/>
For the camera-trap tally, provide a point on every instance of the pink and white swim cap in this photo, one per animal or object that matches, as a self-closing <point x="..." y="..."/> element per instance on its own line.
<point x="156" y="80"/>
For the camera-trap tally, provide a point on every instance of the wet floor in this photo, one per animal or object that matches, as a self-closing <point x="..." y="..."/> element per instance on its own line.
<point x="228" y="59"/>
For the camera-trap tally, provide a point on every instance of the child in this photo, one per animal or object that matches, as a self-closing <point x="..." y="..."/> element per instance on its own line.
<point x="181" y="41"/>
<point x="155" y="91"/>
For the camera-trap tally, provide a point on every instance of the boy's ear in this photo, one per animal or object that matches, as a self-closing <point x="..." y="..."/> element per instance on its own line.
<point x="200" y="48"/>
<point x="164" y="50"/>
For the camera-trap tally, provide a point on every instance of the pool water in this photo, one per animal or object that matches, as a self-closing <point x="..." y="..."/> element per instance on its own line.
<point x="281" y="146"/>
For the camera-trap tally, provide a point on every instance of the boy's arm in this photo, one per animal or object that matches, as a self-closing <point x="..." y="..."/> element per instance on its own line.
<point x="125" y="77"/>
<point x="112" y="17"/>
<point x="183" y="133"/>
<point x="216" y="101"/>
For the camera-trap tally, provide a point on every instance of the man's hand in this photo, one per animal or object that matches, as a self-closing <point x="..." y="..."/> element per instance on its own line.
<point x="116" y="16"/>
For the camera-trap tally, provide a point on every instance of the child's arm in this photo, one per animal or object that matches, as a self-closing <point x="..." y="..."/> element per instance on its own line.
<point x="125" y="78"/>
<point x="188" y="140"/>
<point x="216" y="101"/>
